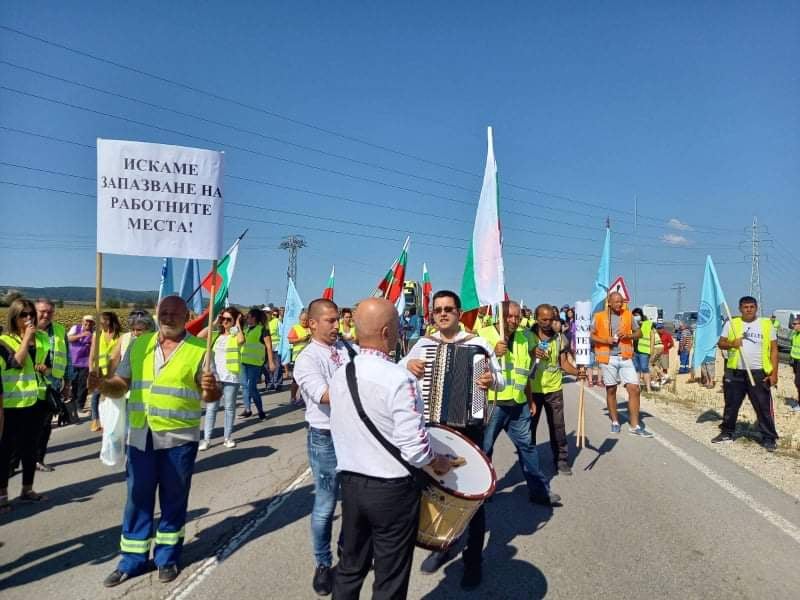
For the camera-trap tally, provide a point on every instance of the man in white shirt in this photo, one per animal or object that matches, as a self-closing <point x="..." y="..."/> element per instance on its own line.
<point x="751" y="343"/>
<point x="446" y="315"/>
<point x="313" y="371"/>
<point x="380" y="499"/>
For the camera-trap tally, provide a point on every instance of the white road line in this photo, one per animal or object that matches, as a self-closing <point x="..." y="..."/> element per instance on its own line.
<point x="780" y="522"/>
<point x="190" y="583"/>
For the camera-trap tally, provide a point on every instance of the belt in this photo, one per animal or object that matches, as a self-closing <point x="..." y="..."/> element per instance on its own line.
<point x="376" y="479"/>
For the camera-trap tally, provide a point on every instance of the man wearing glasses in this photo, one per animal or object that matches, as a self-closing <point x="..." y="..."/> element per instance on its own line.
<point x="446" y="314"/>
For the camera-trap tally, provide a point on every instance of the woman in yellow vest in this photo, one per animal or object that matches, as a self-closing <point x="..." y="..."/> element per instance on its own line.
<point x="346" y="326"/>
<point x="227" y="342"/>
<point x="275" y="376"/>
<point x="257" y="348"/>
<point x="795" y="356"/>
<point x="22" y="361"/>
<point x="110" y="330"/>
<point x="299" y="336"/>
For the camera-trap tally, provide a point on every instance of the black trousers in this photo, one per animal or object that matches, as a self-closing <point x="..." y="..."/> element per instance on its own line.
<point x="79" y="391"/>
<point x="476" y="532"/>
<point x="380" y="518"/>
<point x="47" y="429"/>
<point x="736" y="386"/>
<point x="553" y="404"/>
<point x="20" y="437"/>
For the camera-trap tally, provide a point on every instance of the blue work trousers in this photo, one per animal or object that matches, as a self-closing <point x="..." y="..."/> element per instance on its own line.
<point x="516" y="422"/>
<point x="168" y="472"/>
<point x="322" y="460"/>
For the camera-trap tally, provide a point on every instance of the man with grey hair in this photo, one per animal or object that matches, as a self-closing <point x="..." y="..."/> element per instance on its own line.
<point x="164" y="372"/>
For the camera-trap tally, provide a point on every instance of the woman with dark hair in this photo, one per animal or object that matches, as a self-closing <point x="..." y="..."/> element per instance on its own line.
<point x="110" y="330"/>
<point x="227" y="342"/>
<point x="569" y="328"/>
<point x="24" y="362"/>
<point x="257" y="347"/>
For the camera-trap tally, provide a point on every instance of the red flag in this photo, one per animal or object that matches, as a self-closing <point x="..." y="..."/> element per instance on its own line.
<point x="427" y="290"/>
<point x="392" y="285"/>
<point x="327" y="293"/>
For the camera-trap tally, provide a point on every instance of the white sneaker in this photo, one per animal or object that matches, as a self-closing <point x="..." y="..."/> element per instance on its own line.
<point x="795" y="407"/>
<point x="229" y="444"/>
<point x="203" y="445"/>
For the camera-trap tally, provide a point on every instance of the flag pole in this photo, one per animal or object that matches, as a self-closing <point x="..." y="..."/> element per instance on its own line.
<point x="98" y="301"/>
<point x="741" y="353"/>
<point x="210" y="337"/>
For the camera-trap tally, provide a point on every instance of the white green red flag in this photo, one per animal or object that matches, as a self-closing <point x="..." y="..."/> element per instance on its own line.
<point x="225" y="269"/>
<point x="484" y="279"/>
<point x="391" y="287"/>
<point x="427" y="290"/>
<point x="327" y="293"/>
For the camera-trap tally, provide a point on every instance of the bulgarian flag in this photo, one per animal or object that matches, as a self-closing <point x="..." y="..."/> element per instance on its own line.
<point x="484" y="280"/>
<point x="391" y="287"/>
<point x="225" y="269"/>
<point x="427" y="289"/>
<point x="327" y="293"/>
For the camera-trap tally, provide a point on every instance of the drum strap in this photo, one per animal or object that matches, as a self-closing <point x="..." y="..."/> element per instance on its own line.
<point x="420" y="477"/>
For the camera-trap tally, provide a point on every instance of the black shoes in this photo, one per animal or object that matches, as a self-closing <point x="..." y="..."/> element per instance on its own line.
<point x="323" y="581"/>
<point x="115" y="578"/>
<point x="549" y="500"/>
<point x="471" y="578"/>
<point x="563" y="468"/>
<point x="769" y="445"/>
<point x="245" y="414"/>
<point x="722" y="438"/>
<point x="168" y="573"/>
<point x="434" y="561"/>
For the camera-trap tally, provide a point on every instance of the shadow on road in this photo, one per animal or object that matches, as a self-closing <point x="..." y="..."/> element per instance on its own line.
<point x="503" y="575"/>
<point x="92" y="548"/>
<point x="708" y="416"/>
<point x="606" y="447"/>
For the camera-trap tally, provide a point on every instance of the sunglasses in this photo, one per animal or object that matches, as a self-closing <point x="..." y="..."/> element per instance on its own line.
<point x="22" y="315"/>
<point x="444" y="309"/>
<point x="226" y="319"/>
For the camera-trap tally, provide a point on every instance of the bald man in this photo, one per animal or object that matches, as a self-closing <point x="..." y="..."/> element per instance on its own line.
<point x="613" y="333"/>
<point x="380" y="499"/>
<point x="313" y="372"/>
<point x="164" y="373"/>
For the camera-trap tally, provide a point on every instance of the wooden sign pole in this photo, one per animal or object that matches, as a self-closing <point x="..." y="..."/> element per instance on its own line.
<point x="210" y="337"/>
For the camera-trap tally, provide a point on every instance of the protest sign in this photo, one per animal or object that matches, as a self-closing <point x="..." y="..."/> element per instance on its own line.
<point x="583" y="332"/>
<point x="159" y="200"/>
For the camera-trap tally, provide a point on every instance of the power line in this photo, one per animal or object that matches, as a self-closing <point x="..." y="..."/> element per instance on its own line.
<point x="755" y="275"/>
<point x="514" y="214"/>
<point x="292" y="243"/>
<point x="296" y="121"/>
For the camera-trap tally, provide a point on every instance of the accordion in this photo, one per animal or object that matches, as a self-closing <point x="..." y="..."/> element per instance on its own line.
<point x="449" y="385"/>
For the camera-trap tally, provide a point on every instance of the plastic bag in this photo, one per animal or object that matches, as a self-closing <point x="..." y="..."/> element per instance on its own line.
<point x="114" y="422"/>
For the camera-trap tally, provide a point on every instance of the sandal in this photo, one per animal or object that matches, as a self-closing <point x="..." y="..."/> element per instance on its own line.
<point x="31" y="496"/>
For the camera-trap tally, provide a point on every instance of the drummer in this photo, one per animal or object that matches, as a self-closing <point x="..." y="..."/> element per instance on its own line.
<point x="380" y="500"/>
<point x="446" y="314"/>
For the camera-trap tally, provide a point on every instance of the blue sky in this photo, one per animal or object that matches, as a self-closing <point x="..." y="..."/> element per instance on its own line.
<point x="689" y="108"/>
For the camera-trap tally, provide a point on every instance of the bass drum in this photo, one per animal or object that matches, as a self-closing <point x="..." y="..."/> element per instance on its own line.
<point x="449" y="501"/>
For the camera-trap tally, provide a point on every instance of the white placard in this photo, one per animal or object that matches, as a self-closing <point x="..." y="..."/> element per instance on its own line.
<point x="583" y="332"/>
<point x="159" y="200"/>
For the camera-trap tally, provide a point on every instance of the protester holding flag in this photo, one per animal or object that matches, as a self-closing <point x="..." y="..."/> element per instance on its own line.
<point x="164" y="373"/>
<point x="227" y="341"/>
<point x="257" y="348"/>
<point x="752" y="344"/>
<point x="512" y="411"/>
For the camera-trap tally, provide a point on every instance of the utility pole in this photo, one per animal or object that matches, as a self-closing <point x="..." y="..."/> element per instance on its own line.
<point x="292" y="243"/>
<point x="678" y="287"/>
<point x="755" y="276"/>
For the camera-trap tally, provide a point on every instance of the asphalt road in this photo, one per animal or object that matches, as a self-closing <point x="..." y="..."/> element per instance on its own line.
<point x="659" y="518"/>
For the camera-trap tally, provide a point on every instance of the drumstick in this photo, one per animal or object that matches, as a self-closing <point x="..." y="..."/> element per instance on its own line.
<point x="457" y="461"/>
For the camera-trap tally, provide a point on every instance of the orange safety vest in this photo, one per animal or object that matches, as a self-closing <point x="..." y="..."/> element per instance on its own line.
<point x="602" y="328"/>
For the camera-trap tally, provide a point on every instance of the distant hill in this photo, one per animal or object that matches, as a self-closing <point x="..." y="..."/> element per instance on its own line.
<point x="82" y="294"/>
